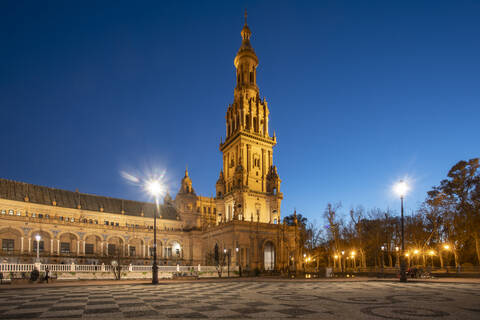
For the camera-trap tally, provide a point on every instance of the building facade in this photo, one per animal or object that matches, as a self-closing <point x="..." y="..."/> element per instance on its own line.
<point x="241" y="225"/>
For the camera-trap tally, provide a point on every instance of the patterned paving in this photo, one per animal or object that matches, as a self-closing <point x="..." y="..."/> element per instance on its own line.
<point x="240" y="300"/>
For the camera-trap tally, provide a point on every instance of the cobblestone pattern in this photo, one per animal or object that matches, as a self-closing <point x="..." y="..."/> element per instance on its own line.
<point x="240" y="300"/>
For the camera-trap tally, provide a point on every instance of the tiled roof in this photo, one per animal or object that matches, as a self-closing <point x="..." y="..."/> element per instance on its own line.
<point x="13" y="190"/>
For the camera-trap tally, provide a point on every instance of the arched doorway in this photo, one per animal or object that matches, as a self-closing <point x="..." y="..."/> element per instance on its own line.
<point x="269" y="256"/>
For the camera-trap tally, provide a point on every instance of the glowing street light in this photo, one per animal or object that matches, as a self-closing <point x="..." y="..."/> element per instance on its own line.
<point x="38" y="238"/>
<point x="401" y="189"/>
<point x="415" y="251"/>
<point x="446" y="247"/>
<point x="154" y="188"/>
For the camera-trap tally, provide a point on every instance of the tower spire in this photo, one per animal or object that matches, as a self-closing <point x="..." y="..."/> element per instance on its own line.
<point x="245" y="16"/>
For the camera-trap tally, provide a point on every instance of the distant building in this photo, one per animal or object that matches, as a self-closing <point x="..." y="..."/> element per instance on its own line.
<point x="244" y="218"/>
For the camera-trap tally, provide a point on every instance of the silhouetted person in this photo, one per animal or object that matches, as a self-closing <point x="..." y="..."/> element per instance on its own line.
<point x="47" y="274"/>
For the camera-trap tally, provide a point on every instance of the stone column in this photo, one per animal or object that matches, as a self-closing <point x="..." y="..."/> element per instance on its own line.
<point x="143" y="248"/>
<point x="21" y="244"/>
<point x="83" y="241"/>
<point x="51" y="246"/>
<point x="128" y="250"/>
<point x="78" y="247"/>
<point x="101" y="248"/>
<point x="30" y="245"/>
<point x="58" y="246"/>
<point x="148" y="251"/>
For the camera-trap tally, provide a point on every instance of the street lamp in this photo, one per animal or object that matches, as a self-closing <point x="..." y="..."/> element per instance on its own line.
<point x="432" y="253"/>
<point x="239" y="262"/>
<point x="401" y="189"/>
<point x="154" y="188"/>
<point x="38" y="238"/>
<point x="228" y="260"/>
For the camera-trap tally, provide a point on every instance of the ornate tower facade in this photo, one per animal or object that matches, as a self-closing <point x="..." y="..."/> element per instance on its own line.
<point x="248" y="187"/>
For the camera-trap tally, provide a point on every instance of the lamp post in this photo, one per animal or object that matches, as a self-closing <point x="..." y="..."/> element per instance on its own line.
<point x="154" y="187"/>
<point x="227" y="253"/>
<point x="353" y="254"/>
<point x="397" y="261"/>
<point x="342" y="264"/>
<point x="432" y="253"/>
<point x="239" y="262"/>
<point x="383" y="261"/>
<point x="446" y="247"/>
<point x="401" y="189"/>
<point x="38" y="238"/>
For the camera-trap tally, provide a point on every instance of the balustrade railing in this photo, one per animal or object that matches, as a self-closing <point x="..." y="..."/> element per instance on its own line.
<point x="13" y="267"/>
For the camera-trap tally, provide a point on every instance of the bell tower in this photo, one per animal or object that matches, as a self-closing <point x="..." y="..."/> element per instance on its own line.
<point x="249" y="186"/>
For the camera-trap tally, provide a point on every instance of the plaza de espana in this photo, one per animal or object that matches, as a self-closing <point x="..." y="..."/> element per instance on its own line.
<point x="243" y="220"/>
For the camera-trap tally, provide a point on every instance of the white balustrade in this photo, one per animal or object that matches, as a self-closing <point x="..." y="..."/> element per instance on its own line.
<point x="14" y="267"/>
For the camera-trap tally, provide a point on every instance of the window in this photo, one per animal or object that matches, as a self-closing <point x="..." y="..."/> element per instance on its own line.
<point x="47" y="216"/>
<point x="72" y="219"/>
<point x="209" y="210"/>
<point x="10" y="212"/>
<point x="19" y="213"/>
<point x="34" y="215"/>
<point x="275" y="221"/>
<point x="117" y="224"/>
<point x="90" y="221"/>
<point x="168" y="252"/>
<point x="204" y="210"/>
<point x="112" y="223"/>
<point x="132" y="251"/>
<point x="96" y="221"/>
<point x="40" y="245"/>
<point x="4" y="211"/>
<point x="111" y="249"/>
<point x="60" y="218"/>
<point x="152" y="251"/>
<point x="88" y="248"/>
<point x="214" y="210"/>
<point x="64" y="247"/>
<point x="106" y="223"/>
<point x="8" y="245"/>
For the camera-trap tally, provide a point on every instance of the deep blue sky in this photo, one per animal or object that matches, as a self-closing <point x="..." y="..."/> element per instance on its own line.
<point x="361" y="93"/>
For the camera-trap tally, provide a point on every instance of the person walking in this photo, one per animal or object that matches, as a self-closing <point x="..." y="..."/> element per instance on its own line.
<point x="47" y="274"/>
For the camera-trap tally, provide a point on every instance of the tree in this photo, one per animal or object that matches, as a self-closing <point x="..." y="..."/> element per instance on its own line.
<point x="462" y="190"/>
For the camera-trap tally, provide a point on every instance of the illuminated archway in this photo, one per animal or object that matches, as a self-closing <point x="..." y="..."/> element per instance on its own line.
<point x="269" y="256"/>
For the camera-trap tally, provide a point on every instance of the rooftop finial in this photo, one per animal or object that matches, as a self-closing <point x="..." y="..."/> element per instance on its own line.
<point x="245" y="16"/>
<point x="186" y="171"/>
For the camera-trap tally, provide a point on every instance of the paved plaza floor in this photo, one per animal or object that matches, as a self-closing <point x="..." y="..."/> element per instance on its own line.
<point x="246" y="299"/>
